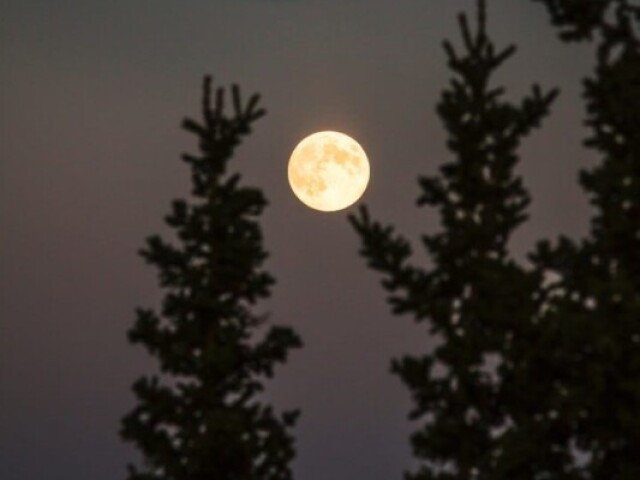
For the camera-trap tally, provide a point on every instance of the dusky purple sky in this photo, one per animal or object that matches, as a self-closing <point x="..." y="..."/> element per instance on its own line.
<point x="91" y="99"/>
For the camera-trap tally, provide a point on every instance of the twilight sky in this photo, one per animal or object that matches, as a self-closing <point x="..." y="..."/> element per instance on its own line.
<point x="91" y="99"/>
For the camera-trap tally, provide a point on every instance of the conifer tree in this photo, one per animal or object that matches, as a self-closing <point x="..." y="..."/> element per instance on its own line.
<point x="201" y="416"/>
<point x="475" y="299"/>
<point x="591" y="316"/>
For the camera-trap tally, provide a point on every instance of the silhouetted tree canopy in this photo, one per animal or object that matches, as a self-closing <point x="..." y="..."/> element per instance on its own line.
<point x="201" y="417"/>
<point x="536" y="374"/>
<point x="592" y="306"/>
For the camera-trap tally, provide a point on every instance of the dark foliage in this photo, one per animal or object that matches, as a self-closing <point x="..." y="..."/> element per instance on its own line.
<point x="200" y="418"/>
<point x="592" y="313"/>
<point x="537" y="374"/>
<point x="476" y="418"/>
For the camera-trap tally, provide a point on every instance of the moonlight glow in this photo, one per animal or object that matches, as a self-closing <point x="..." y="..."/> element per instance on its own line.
<point x="328" y="171"/>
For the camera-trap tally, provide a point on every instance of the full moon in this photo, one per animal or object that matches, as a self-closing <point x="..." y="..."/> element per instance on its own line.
<point x="328" y="171"/>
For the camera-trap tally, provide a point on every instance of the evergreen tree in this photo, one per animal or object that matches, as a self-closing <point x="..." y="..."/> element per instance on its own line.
<point x="592" y="308"/>
<point x="200" y="418"/>
<point x="474" y="417"/>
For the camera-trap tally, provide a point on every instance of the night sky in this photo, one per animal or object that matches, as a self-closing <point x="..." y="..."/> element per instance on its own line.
<point x="91" y="99"/>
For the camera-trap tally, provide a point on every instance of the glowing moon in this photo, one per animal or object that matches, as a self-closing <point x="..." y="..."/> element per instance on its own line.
<point x="328" y="171"/>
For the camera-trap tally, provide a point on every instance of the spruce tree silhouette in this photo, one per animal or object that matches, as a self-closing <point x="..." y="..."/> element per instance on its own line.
<point x="476" y="300"/>
<point x="592" y="308"/>
<point x="201" y="417"/>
